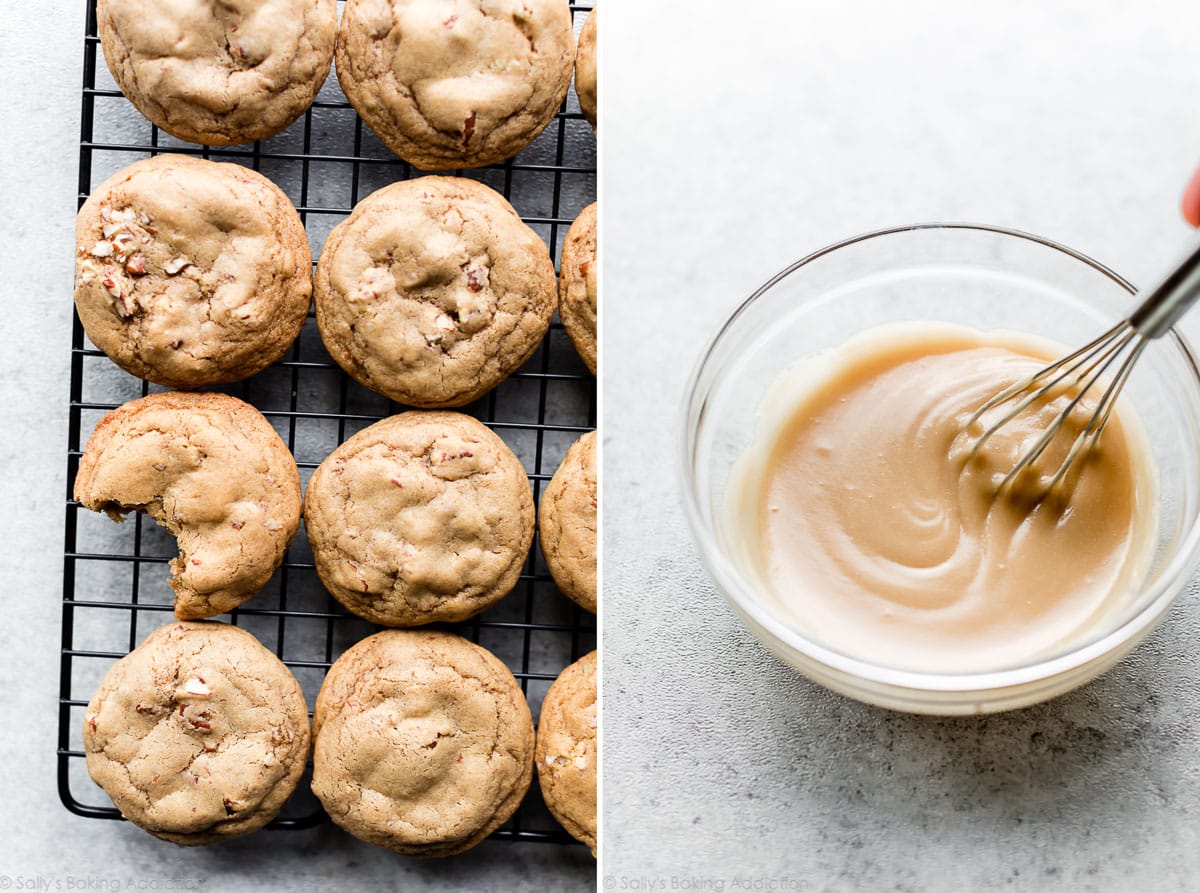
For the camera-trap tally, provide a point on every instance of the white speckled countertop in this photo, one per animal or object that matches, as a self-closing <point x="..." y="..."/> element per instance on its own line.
<point x="735" y="144"/>
<point x="44" y="846"/>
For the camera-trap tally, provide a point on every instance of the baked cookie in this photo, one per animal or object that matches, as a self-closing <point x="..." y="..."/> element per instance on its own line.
<point x="448" y="84"/>
<point x="434" y="291"/>
<point x="200" y="734"/>
<point x="223" y="72"/>
<point x="191" y="273"/>
<point x="423" y="517"/>
<point x="212" y="471"/>
<point x="577" y="285"/>
<point x="585" y="69"/>
<point x="423" y="742"/>
<point x="566" y="749"/>
<point x="567" y="523"/>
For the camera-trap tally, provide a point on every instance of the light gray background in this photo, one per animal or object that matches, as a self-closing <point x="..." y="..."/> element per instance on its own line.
<point x="736" y="140"/>
<point x="41" y="841"/>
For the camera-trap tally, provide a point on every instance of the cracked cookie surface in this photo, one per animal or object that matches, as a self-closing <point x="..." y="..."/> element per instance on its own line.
<point x="578" y="288"/>
<point x="585" y="68"/>
<point x="200" y="734"/>
<point x="191" y="272"/>
<point x="219" y="72"/>
<point x="567" y="523"/>
<point x="566" y="749"/>
<point x="433" y="291"/>
<point x="212" y="471"/>
<point x="423" y="742"/>
<point x="449" y="84"/>
<point x="422" y="517"/>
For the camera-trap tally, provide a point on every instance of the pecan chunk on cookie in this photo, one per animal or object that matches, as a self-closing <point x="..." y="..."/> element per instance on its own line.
<point x="566" y="749"/>
<point x="449" y="84"/>
<point x="212" y="471"/>
<point x="433" y="291"/>
<point x="200" y="734"/>
<point x="191" y="273"/>
<point x="422" y="517"/>
<point x="567" y="523"/>
<point x="423" y="742"/>
<point x="219" y="72"/>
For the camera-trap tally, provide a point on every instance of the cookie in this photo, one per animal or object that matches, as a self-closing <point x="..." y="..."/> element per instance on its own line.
<point x="212" y="471"/>
<point x="566" y="749"/>
<point x="423" y="517"/>
<point x="191" y="273"/>
<point x="200" y="734"/>
<point x="219" y="73"/>
<point x="433" y="291"/>
<point x="423" y="742"/>
<point x="567" y="523"/>
<point x="449" y="84"/>
<point x="577" y="285"/>
<point x="585" y="69"/>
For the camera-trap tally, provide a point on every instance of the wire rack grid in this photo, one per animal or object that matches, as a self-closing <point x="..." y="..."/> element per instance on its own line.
<point x="115" y="589"/>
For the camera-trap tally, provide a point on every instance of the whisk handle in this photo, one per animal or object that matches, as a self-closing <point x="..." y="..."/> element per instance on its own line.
<point x="1163" y="304"/>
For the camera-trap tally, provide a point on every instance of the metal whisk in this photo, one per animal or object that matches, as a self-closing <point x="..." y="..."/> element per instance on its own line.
<point x="1088" y="368"/>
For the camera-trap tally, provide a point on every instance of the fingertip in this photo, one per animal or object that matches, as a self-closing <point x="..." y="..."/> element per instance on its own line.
<point x="1191" y="200"/>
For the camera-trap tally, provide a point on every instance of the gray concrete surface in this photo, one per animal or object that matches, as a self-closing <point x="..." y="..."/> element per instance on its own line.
<point x="736" y="141"/>
<point x="42" y="846"/>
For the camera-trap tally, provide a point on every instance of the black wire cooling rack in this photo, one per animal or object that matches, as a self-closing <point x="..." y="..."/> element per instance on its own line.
<point x="115" y="588"/>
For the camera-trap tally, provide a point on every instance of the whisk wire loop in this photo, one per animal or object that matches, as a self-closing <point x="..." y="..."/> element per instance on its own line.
<point x="1070" y="361"/>
<point x="1079" y="372"/>
<point x="1088" y="437"/>
<point x="1160" y="307"/>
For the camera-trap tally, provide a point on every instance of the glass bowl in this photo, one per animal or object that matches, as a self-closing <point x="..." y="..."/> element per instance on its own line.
<point x="980" y="276"/>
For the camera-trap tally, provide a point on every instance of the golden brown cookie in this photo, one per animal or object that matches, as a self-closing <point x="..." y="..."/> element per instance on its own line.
<point x="566" y="749"/>
<point x="577" y="285"/>
<point x="200" y="734"/>
<point x="422" y="517"/>
<point x="433" y="291"/>
<point x="423" y="742"/>
<point x="448" y="84"/>
<point x="189" y="272"/>
<point x="585" y="69"/>
<point x="212" y="471"/>
<point x="567" y="523"/>
<point x="219" y="73"/>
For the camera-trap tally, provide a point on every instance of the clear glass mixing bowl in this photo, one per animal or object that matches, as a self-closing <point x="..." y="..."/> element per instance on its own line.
<point x="980" y="276"/>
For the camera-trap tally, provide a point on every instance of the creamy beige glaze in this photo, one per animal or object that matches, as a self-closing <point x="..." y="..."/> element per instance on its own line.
<point x="866" y="516"/>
